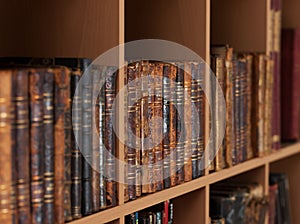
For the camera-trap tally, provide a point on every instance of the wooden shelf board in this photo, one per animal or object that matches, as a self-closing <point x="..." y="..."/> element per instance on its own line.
<point x="158" y="197"/>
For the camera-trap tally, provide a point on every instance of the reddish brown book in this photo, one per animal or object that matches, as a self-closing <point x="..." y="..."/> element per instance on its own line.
<point x="290" y="84"/>
<point x="5" y="147"/>
<point x="61" y="101"/>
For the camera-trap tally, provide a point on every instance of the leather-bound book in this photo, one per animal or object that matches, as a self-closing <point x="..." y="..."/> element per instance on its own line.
<point x="290" y="84"/>
<point x="187" y="122"/>
<point x="131" y="139"/>
<point x="5" y="147"/>
<point x="36" y="82"/>
<point x="68" y="153"/>
<point x="76" y="162"/>
<point x="87" y="143"/>
<point x="172" y="123"/>
<point x="62" y="103"/>
<point x="195" y="124"/>
<point x="144" y="126"/>
<point x="166" y="124"/>
<point x="242" y="153"/>
<point x="158" y="168"/>
<point x="273" y="192"/>
<point x="179" y="123"/>
<point x="48" y="97"/>
<point x="96" y="73"/>
<point x="21" y="101"/>
<point x="200" y="76"/>
<point x="109" y="139"/>
<point x="151" y="136"/>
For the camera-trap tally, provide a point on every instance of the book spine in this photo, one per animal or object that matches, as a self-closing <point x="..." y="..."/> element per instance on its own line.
<point x="76" y="162"/>
<point x="48" y="96"/>
<point x="68" y="153"/>
<point x="5" y="148"/>
<point x="95" y="148"/>
<point x="261" y="104"/>
<point x="158" y="168"/>
<point x="201" y="113"/>
<point x="179" y="123"/>
<point x="36" y="80"/>
<point x="144" y="126"/>
<point x="102" y="154"/>
<point x="109" y="140"/>
<point x="87" y="202"/>
<point x="131" y="141"/>
<point x="151" y="117"/>
<point x="166" y="125"/>
<point x="229" y="134"/>
<point x="138" y="122"/>
<point x="21" y="83"/>
<point x="195" y="125"/>
<point x="172" y="128"/>
<point x="61" y="102"/>
<point x="212" y="117"/>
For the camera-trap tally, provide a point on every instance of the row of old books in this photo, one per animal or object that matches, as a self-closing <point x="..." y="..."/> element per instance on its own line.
<point x="48" y="172"/>
<point x="162" y="213"/>
<point x="279" y="201"/>
<point x="247" y="83"/>
<point x="165" y="139"/>
<point x="238" y="203"/>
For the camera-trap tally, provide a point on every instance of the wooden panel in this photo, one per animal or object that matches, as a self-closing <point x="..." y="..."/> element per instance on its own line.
<point x="190" y="208"/>
<point x="181" y="21"/>
<point x="240" y="23"/>
<point x="58" y="28"/>
<point x="290" y="14"/>
<point x="291" y="167"/>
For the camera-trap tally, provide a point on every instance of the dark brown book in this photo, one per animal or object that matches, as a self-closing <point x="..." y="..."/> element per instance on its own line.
<point x="131" y="138"/>
<point x="290" y="84"/>
<point x="48" y="97"/>
<point x="166" y="124"/>
<point x="62" y="103"/>
<point x="87" y="145"/>
<point x="172" y="129"/>
<point x="109" y="139"/>
<point x="36" y="82"/>
<point x="273" y="191"/>
<point x="179" y="124"/>
<point x="6" y="215"/>
<point x="76" y="161"/>
<point x="21" y="101"/>
<point x="158" y="168"/>
<point x="187" y="122"/>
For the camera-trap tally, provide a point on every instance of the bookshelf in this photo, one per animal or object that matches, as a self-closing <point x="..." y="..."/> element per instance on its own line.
<point x="88" y="28"/>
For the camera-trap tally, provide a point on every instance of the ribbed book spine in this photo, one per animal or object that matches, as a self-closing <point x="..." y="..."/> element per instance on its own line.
<point x="158" y="134"/>
<point x="36" y="82"/>
<point x="87" y="144"/>
<point x="95" y="148"/>
<point x="179" y="123"/>
<point x="5" y="147"/>
<point x="20" y="98"/>
<point x="61" y="101"/>
<point x="131" y="141"/>
<point x="48" y="96"/>
<point x="172" y="129"/>
<point x="109" y="139"/>
<point x="76" y="162"/>
<point x="166" y="124"/>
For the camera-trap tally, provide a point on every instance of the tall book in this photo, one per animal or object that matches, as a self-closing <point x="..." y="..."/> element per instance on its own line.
<point x="6" y="147"/>
<point x="36" y="82"/>
<point x="48" y="97"/>
<point x="21" y="101"/>
<point x="76" y="162"/>
<point x="62" y="104"/>
<point x="109" y="140"/>
<point x="290" y="84"/>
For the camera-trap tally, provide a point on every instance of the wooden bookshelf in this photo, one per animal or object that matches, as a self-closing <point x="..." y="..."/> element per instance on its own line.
<point x="88" y="28"/>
